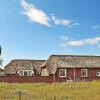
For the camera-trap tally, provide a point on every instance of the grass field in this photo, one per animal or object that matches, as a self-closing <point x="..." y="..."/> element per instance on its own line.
<point x="62" y="91"/>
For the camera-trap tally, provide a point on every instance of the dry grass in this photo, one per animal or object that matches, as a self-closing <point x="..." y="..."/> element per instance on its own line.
<point x="62" y="91"/>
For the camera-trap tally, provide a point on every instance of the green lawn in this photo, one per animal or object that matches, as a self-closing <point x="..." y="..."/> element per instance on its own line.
<point x="62" y="91"/>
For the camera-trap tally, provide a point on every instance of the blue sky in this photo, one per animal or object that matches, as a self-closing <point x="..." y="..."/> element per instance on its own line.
<point x="35" y="29"/>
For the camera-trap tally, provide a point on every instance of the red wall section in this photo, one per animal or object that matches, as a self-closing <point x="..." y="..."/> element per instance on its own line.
<point x="70" y="75"/>
<point x="26" y="79"/>
<point x="53" y="78"/>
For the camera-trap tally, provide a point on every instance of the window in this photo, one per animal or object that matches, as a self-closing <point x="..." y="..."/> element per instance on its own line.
<point x="20" y="73"/>
<point x="25" y="72"/>
<point x="62" y="72"/>
<point x="30" y="73"/>
<point x="83" y="72"/>
<point x="98" y="74"/>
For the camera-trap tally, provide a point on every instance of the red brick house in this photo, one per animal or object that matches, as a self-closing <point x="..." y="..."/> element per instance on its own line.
<point x="57" y="68"/>
<point x="72" y="68"/>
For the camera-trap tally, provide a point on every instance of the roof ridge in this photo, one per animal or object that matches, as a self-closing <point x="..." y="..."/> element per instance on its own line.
<point x="26" y="60"/>
<point x="75" y="55"/>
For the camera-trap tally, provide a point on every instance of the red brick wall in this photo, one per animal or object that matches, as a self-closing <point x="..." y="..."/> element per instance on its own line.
<point x="91" y="74"/>
<point x="70" y="75"/>
<point x="52" y="78"/>
<point x="26" y="79"/>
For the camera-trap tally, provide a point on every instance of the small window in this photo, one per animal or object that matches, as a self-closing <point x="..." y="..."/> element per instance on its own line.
<point x="20" y="73"/>
<point x="25" y="73"/>
<point x="30" y="73"/>
<point x="98" y="74"/>
<point x="62" y="72"/>
<point x="83" y="72"/>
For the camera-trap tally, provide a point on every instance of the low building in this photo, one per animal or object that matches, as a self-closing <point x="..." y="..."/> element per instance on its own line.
<point x="57" y="68"/>
<point x="23" y="67"/>
<point x="72" y="68"/>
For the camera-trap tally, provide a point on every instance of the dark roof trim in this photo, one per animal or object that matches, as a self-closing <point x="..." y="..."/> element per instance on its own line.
<point x="74" y="56"/>
<point x="26" y="60"/>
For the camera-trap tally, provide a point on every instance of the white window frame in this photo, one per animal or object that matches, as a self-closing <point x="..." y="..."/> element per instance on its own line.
<point x="98" y="74"/>
<point x="60" y="72"/>
<point x="28" y="71"/>
<point x="86" y="73"/>
<point x="20" y="73"/>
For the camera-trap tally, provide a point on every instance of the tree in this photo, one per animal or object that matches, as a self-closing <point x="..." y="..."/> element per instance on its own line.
<point x="0" y="55"/>
<point x="0" y="50"/>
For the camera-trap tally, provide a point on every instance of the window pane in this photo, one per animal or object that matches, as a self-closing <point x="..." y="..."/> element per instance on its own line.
<point x="20" y="73"/>
<point x="25" y="73"/>
<point x="84" y="72"/>
<point x="62" y="72"/>
<point x="30" y="73"/>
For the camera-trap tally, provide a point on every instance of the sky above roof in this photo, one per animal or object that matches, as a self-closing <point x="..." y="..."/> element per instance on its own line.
<point x="35" y="29"/>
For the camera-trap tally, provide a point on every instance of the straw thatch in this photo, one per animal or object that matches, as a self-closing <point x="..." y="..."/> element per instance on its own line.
<point x="15" y="65"/>
<point x="71" y="61"/>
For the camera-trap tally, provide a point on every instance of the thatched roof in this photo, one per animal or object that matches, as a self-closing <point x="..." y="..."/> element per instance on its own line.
<point x="21" y="64"/>
<point x="71" y="61"/>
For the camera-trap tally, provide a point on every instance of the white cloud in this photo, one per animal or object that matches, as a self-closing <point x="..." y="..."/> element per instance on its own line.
<point x="92" y="41"/>
<point x="59" y="21"/>
<point x="75" y="43"/>
<point x="38" y="16"/>
<point x="96" y="27"/>
<point x="66" y="22"/>
<point x="64" y="37"/>
<point x="34" y="14"/>
<point x="63" y="45"/>
<point x="76" y="24"/>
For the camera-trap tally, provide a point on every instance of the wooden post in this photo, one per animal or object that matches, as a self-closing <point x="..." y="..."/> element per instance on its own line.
<point x="54" y="82"/>
<point x="54" y="75"/>
<point x="19" y="94"/>
<point x="74" y="75"/>
<point x="54" y="97"/>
